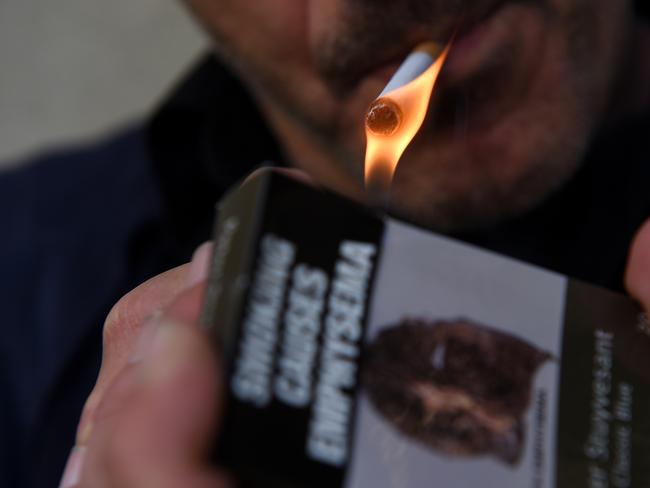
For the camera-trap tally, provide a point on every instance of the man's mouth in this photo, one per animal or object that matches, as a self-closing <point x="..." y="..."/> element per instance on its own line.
<point x="486" y="72"/>
<point x="477" y="46"/>
<point x="372" y="36"/>
<point x="473" y="42"/>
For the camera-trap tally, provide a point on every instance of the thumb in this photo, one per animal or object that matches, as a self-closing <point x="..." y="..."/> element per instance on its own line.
<point x="637" y="274"/>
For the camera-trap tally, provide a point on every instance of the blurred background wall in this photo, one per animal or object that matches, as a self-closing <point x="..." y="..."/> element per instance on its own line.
<point x="71" y="70"/>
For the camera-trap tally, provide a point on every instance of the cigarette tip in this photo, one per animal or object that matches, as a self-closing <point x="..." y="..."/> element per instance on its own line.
<point x="383" y="117"/>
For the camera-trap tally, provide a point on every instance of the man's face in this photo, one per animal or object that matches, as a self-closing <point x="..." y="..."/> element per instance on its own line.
<point x="522" y="91"/>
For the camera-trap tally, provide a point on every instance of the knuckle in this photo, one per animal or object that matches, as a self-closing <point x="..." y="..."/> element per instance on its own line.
<point x="121" y="321"/>
<point x="135" y="307"/>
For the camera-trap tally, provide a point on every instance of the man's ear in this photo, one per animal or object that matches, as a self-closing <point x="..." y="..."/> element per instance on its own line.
<point x="637" y="274"/>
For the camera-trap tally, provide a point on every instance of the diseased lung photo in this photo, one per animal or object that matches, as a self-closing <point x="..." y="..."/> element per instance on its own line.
<point x="456" y="386"/>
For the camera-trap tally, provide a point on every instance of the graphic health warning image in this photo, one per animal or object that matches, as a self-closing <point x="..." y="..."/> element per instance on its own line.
<point x="461" y="371"/>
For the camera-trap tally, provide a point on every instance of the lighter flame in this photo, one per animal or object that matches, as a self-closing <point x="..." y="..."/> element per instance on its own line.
<point x="384" y="152"/>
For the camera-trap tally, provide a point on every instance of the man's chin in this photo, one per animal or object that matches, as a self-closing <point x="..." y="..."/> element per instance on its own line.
<point x="454" y="189"/>
<point x="479" y="165"/>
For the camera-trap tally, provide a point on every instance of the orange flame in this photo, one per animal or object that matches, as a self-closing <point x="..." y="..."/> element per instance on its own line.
<point x="383" y="152"/>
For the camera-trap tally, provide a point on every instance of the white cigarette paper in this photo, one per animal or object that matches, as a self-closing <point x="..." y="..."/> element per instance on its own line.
<point x="384" y="116"/>
<point x="396" y="115"/>
<point x="413" y="66"/>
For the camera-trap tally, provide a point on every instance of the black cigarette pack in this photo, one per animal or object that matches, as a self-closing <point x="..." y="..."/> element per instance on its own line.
<point x="360" y="351"/>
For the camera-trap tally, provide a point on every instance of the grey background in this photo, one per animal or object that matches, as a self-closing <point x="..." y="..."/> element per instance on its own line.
<point x="72" y="70"/>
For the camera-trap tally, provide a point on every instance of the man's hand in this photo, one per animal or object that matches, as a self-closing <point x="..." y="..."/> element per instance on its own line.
<point x="637" y="275"/>
<point x="152" y="413"/>
<point x="151" y="416"/>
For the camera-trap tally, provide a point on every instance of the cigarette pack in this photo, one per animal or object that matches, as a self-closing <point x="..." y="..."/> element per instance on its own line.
<point x="360" y="351"/>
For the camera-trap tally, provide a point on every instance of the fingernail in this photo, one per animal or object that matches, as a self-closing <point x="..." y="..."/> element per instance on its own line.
<point x="166" y="351"/>
<point x="145" y="337"/>
<point x="198" y="268"/>
<point x="72" y="473"/>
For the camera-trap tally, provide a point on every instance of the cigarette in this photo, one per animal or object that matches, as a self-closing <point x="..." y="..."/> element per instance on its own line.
<point x="384" y="116"/>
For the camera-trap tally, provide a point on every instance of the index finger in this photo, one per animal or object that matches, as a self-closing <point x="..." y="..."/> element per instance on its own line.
<point x="126" y="321"/>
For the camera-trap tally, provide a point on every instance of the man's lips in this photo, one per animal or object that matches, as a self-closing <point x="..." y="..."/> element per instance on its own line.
<point x="474" y="48"/>
<point x="472" y="43"/>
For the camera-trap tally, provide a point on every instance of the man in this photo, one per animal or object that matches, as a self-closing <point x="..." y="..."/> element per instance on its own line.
<point x="536" y="147"/>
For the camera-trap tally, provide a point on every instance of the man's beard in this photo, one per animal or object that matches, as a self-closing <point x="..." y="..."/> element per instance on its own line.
<point x="360" y="38"/>
<point x="422" y="192"/>
<point x="430" y="198"/>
